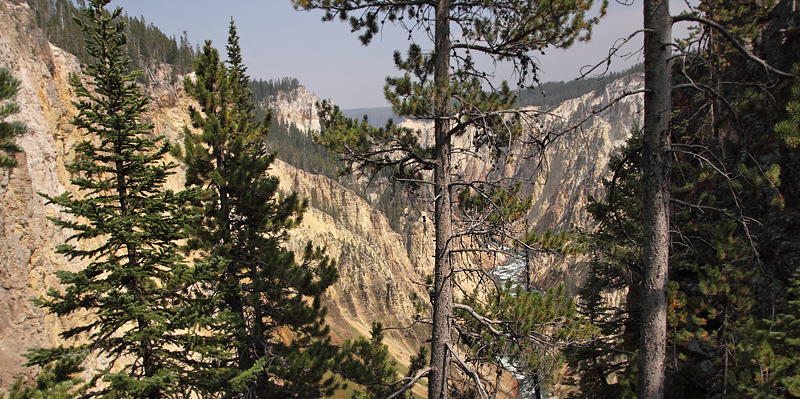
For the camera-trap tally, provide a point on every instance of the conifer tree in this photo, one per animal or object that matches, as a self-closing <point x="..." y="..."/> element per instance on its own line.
<point x="125" y="225"/>
<point x="444" y="85"/>
<point x="269" y="329"/>
<point x="720" y="52"/>
<point x="8" y="129"/>
<point x="55" y="381"/>
<point x="368" y="363"/>
<point x="724" y="277"/>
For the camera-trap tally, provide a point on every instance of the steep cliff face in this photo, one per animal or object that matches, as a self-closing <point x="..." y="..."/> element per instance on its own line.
<point x="27" y="259"/>
<point x="377" y="278"/>
<point x="299" y="107"/>
<point x="582" y="133"/>
<point x="575" y="161"/>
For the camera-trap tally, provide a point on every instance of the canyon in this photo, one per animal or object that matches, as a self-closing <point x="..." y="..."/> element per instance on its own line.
<point x="381" y="270"/>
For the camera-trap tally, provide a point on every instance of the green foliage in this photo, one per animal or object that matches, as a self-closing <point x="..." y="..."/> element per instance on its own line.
<point x="789" y="129"/>
<point x="268" y="91"/>
<point x="511" y="27"/>
<point x="710" y="300"/>
<point x="368" y="363"/>
<point x="727" y="203"/>
<point x="55" y="381"/>
<point x="8" y="129"/>
<point x="497" y="205"/>
<point x="551" y="94"/>
<point x="298" y="149"/>
<point x="614" y="267"/>
<point x="770" y="367"/>
<point x="147" y="45"/>
<point x="564" y="242"/>
<point x="535" y="328"/>
<point x="472" y="116"/>
<point x="126" y="226"/>
<point x="269" y="338"/>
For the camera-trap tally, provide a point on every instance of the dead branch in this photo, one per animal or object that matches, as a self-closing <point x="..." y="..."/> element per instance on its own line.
<point x="410" y="384"/>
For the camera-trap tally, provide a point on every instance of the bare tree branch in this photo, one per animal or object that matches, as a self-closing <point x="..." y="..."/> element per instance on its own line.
<point x="732" y="40"/>
<point x="410" y="384"/>
<point x="469" y="371"/>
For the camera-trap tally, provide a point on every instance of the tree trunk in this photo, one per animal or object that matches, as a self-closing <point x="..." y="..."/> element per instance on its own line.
<point x="658" y="106"/>
<point x="443" y="267"/>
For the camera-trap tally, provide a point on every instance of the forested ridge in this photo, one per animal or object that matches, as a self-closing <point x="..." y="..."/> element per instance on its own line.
<point x="147" y="44"/>
<point x="550" y="94"/>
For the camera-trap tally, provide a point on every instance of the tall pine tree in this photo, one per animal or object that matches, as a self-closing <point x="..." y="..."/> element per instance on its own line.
<point x="473" y="118"/>
<point x="270" y="324"/>
<point x="731" y="227"/>
<point x="126" y="225"/>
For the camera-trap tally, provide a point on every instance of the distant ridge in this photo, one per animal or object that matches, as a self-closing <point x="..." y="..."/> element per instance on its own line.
<point x="378" y="117"/>
<point x="551" y="94"/>
<point x="546" y="95"/>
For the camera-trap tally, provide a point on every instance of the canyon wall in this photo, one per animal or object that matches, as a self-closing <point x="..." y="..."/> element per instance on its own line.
<point x="380" y="269"/>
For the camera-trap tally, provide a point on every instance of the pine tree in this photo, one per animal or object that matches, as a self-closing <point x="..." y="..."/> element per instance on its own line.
<point x="8" y="129"/>
<point x="55" y="381"/>
<point x="789" y="129"/>
<point x="727" y="206"/>
<point x="614" y="269"/>
<point x="126" y="225"/>
<point x="444" y="85"/>
<point x="368" y="363"/>
<point x="269" y="336"/>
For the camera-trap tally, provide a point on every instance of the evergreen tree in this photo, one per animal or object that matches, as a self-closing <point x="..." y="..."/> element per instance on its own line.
<point x="148" y="46"/>
<point x="789" y="129"/>
<point x="727" y="224"/>
<point x="126" y="226"/>
<point x="445" y="86"/>
<point x="55" y="381"/>
<point x="269" y="336"/>
<point x="368" y="363"/>
<point x="8" y="129"/>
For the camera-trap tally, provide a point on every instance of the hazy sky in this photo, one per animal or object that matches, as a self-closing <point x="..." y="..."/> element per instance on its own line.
<point x="278" y="41"/>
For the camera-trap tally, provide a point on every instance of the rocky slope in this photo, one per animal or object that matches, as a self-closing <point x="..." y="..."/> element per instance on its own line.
<point x="380" y="270"/>
<point x="27" y="260"/>
<point x="581" y="134"/>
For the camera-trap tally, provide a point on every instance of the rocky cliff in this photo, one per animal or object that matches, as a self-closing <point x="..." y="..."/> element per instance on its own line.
<point x="298" y="107"/>
<point x="380" y="270"/>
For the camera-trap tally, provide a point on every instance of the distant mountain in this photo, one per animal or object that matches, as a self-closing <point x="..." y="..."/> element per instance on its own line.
<point x="377" y="116"/>
<point x="544" y="96"/>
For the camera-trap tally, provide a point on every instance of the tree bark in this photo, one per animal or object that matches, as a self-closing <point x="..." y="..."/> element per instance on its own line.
<point x="655" y="150"/>
<point x="443" y="267"/>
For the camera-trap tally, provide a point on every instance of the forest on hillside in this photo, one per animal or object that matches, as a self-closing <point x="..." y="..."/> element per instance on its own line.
<point x="551" y="94"/>
<point x="147" y="45"/>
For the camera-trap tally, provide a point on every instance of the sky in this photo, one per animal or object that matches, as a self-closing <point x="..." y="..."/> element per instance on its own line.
<point x="278" y="41"/>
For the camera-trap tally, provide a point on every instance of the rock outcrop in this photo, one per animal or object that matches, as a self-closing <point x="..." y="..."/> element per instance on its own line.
<point x="299" y="107"/>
